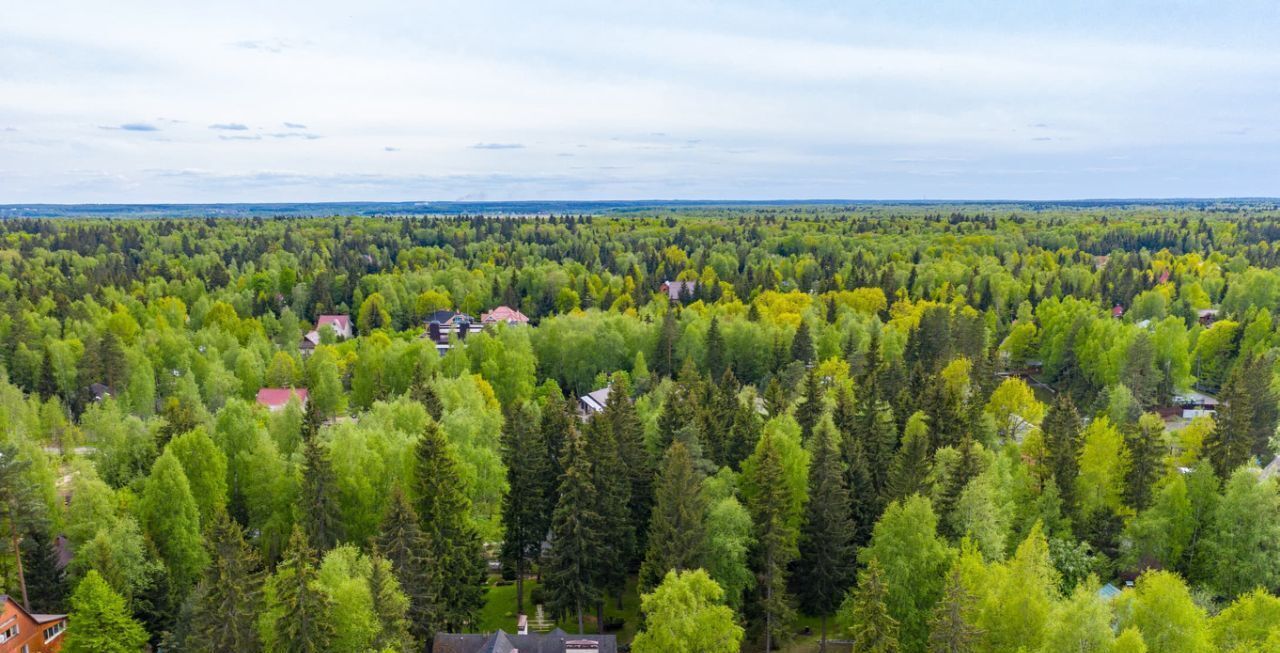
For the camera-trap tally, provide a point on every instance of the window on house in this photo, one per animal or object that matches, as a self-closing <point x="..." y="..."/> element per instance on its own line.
<point x="54" y="630"/>
<point x="9" y="633"/>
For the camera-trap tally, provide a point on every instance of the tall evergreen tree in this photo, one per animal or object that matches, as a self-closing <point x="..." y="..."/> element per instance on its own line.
<point x="966" y="468"/>
<point x="628" y="433"/>
<point x="676" y="532"/>
<point x="524" y="515"/>
<point x="1247" y="417"/>
<point x="775" y="539"/>
<point x="715" y="361"/>
<point x="1061" y="432"/>
<point x="568" y="574"/>
<point x="825" y="566"/>
<point x="302" y="624"/>
<point x="321" y="514"/>
<point x="802" y="344"/>
<point x="664" y="355"/>
<point x="222" y="613"/>
<point x="873" y="629"/>
<point x="455" y="554"/>
<point x="390" y="606"/>
<point x="100" y="620"/>
<point x="613" y="492"/>
<point x="1145" y="460"/>
<point x="46" y="582"/>
<point x="951" y="628"/>
<point x="401" y="541"/>
<point x="20" y="507"/>
<point x="911" y="464"/>
<point x="809" y="411"/>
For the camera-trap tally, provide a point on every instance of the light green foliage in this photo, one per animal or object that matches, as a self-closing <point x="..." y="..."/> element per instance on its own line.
<point x="1245" y="537"/>
<point x="472" y="421"/>
<point x="686" y="614"/>
<point x="906" y="546"/>
<point x="1247" y="624"/>
<point x="172" y="520"/>
<point x="1081" y="623"/>
<point x="1019" y="604"/>
<point x="1014" y="408"/>
<point x="344" y="576"/>
<point x="1104" y="461"/>
<point x="123" y="445"/>
<point x="102" y="623"/>
<point x="1160" y="607"/>
<point x="205" y="466"/>
<point x="784" y="434"/>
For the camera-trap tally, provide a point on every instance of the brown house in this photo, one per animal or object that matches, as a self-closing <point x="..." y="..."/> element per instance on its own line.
<point x="29" y="632"/>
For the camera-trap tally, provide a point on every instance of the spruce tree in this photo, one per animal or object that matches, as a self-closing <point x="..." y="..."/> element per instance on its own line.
<point x="809" y="411"/>
<point x="825" y="567"/>
<point x="99" y="621"/>
<point x="401" y="542"/>
<point x="873" y="629"/>
<point x="321" y="513"/>
<point x="613" y="491"/>
<point x="1246" y="419"/>
<point x="676" y="531"/>
<point x="569" y="572"/>
<point x="966" y="468"/>
<point x="390" y="606"/>
<point x="664" y="355"/>
<point x="775" y="539"/>
<point x="715" y="361"/>
<point x="1061" y="432"/>
<point x="951" y="628"/>
<point x="302" y="624"/>
<point x="628" y="433"/>
<point x="455" y="554"/>
<point x="802" y="344"/>
<point x="910" y="466"/>
<point x="222" y="613"/>
<point x="524" y="515"/>
<point x="46" y="583"/>
<point x="1145" y="460"/>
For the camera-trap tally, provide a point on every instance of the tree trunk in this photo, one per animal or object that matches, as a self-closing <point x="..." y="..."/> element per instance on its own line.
<point x="519" y="585"/>
<point x="17" y="559"/>
<point x="822" y="647"/>
<point x="579" y="606"/>
<point x="600" y="616"/>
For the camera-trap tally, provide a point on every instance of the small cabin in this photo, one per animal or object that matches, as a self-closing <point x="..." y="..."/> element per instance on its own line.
<point x="275" y="399"/>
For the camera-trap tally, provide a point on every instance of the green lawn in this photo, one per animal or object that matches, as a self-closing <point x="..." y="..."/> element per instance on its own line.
<point x="500" y="610"/>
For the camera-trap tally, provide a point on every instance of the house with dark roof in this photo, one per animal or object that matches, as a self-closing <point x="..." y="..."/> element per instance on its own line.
<point x="443" y="324"/>
<point x="677" y="290"/>
<point x="556" y="641"/>
<point x="29" y="632"/>
<point x="275" y="399"/>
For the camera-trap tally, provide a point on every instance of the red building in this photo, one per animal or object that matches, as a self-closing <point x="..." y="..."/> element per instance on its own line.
<point x="26" y="632"/>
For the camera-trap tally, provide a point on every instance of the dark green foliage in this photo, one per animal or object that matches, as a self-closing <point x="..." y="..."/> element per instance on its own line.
<point x="873" y="629"/>
<point x="802" y="344"/>
<point x="715" y="361"/>
<point x="401" y="542"/>
<point x="1247" y="418"/>
<point x="951" y="628"/>
<point x="809" y="411"/>
<point x="613" y="495"/>
<point x="825" y="566"/>
<point x="1061" y="432"/>
<point x="524" y="515"/>
<point x="775" y="545"/>
<point x="222" y="612"/>
<point x="569" y="578"/>
<point x="628" y="434"/>
<point x="302" y="624"/>
<point x="676" y="530"/>
<point x="321" y="515"/>
<point x="46" y="583"/>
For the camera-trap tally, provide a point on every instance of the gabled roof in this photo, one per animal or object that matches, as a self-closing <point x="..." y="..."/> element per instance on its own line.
<point x="504" y="314"/>
<point x="36" y="617"/>
<point x="280" y="396"/>
<point x="445" y="317"/>
<point x="338" y="322"/>
<point x="676" y="288"/>
<point x="1109" y="591"/>
<point x="596" y="400"/>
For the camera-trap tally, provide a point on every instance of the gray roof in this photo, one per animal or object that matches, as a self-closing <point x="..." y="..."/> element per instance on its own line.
<point x="596" y="400"/>
<point x="675" y="288"/>
<point x="504" y="642"/>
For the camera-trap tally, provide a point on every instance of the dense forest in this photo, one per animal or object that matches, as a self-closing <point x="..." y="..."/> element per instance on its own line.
<point x="901" y="428"/>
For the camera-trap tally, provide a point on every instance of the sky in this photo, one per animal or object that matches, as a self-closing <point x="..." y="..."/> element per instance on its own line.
<point x="262" y="101"/>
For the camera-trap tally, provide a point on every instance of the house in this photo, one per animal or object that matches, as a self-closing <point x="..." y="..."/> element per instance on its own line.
<point x="1207" y="316"/>
<point x="1108" y="592"/>
<point x="275" y="399"/>
<point x="556" y="641"/>
<point x="1195" y="404"/>
<point x="29" y="632"/>
<point x="504" y="314"/>
<point x="341" y="325"/>
<point x="676" y="290"/>
<point x="443" y="324"/>
<point x="1117" y="311"/>
<point x="100" y="391"/>
<point x="593" y="402"/>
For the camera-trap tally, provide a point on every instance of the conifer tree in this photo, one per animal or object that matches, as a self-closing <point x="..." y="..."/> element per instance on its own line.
<point x="390" y="605"/>
<point x="455" y="554"/>
<point x="809" y="411"/>
<point x="401" y="542"/>
<point x="302" y="623"/>
<point x="46" y="583"/>
<point x="664" y="356"/>
<point x="1247" y="418"/>
<point x="524" y="517"/>
<point x="628" y="433"/>
<point x="676" y="531"/>
<point x="951" y="628"/>
<point x="1061" y="432"/>
<point x="715" y="361"/>
<point x="1145" y="464"/>
<point x="825" y="566"/>
<point x="321" y="514"/>
<point x="966" y="468"/>
<point x="613" y="491"/>
<point x="222" y="614"/>
<point x="911" y="464"/>
<point x="775" y="538"/>
<point x="568" y="574"/>
<point x="802" y="344"/>
<point x="872" y="628"/>
<point x="99" y="621"/>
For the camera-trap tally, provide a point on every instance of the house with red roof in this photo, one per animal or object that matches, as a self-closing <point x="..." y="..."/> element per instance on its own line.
<point x="29" y="632"/>
<point x="341" y="325"/>
<point x="504" y="314"/>
<point x="275" y="399"/>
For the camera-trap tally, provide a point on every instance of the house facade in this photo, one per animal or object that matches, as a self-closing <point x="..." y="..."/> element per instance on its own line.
<point x="593" y="402"/>
<point x="341" y="325"/>
<point x="29" y="632"/>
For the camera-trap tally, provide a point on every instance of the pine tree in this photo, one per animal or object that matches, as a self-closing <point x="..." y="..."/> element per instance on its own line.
<point x="951" y="628"/>
<point x="1061" y="430"/>
<point x="1145" y="460"/>
<point x="222" y="614"/>
<point x="302" y="624"/>
<point x="402" y="543"/>
<point x="775" y="539"/>
<point x="455" y="554"/>
<point x="613" y="491"/>
<point x="424" y="392"/>
<point x="1246" y="419"/>
<point x="966" y="468"/>
<point x="99" y="621"/>
<point x="809" y="411"/>
<point x="715" y="360"/>
<point x="321" y="513"/>
<point x="524" y="517"/>
<point x="911" y="464"/>
<point x="802" y="344"/>
<point x="825" y="566"/>
<point x="873" y="629"/>
<point x="676" y="531"/>
<point x="664" y="356"/>
<point x="568" y="574"/>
